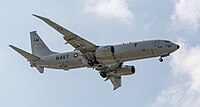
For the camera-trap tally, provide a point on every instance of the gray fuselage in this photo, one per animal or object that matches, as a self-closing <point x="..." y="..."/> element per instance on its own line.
<point x="123" y="52"/>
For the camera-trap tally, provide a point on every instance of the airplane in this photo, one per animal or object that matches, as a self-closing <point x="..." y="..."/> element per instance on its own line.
<point x="108" y="59"/>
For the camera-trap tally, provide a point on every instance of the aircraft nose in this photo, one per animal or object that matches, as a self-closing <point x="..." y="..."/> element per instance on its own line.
<point x="177" y="46"/>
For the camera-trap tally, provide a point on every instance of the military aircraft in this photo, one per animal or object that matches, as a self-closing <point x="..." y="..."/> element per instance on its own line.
<point x="108" y="60"/>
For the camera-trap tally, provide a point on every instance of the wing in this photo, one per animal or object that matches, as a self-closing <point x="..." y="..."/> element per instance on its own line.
<point x="76" y="41"/>
<point x="116" y="81"/>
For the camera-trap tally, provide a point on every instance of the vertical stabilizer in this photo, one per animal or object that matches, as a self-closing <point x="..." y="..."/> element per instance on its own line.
<point x="39" y="48"/>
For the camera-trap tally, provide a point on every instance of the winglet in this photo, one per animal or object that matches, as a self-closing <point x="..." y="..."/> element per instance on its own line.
<point x="40" y="17"/>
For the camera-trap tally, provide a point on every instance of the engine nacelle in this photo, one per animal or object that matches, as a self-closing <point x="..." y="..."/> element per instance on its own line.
<point x="105" y="54"/>
<point x="125" y="70"/>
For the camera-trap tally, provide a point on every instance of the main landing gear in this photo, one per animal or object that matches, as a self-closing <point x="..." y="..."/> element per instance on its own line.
<point x="92" y="62"/>
<point x="103" y="74"/>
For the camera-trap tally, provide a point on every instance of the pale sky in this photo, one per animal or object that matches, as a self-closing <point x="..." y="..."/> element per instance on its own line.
<point x="173" y="83"/>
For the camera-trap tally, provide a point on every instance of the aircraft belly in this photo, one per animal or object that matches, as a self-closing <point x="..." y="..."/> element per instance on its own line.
<point x="64" y="65"/>
<point x="75" y="63"/>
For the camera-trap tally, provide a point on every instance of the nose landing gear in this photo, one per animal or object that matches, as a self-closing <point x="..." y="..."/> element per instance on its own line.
<point x="164" y="55"/>
<point x="161" y="59"/>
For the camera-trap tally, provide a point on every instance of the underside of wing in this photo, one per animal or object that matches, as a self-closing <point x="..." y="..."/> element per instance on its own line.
<point x="115" y="72"/>
<point x="109" y="72"/>
<point x="76" y="41"/>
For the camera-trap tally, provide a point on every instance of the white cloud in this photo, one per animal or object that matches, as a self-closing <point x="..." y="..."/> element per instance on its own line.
<point x="185" y="92"/>
<point x="117" y="9"/>
<point x="187" y="14"/>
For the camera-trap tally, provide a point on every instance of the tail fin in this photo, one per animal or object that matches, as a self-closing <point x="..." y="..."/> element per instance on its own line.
<point x="28" y="56"/>
<point x="39" y="48"/>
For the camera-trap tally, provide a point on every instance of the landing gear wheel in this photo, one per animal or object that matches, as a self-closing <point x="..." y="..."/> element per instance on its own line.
<point x="161" y="59"/>
<point x="91" y="62"/>
<point x="103" y="74"/>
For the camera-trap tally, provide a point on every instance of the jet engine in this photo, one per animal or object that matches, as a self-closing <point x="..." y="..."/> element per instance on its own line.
<point x="122" y="71"/>
<point x="125" y="70"/>
<point x="105" y="54"/>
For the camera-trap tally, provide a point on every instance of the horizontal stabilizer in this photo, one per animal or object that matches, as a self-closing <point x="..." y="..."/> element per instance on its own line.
<point x="25" y="54"/>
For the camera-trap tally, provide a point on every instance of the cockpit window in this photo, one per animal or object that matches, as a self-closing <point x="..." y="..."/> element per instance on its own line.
<point x="166" y="41"/>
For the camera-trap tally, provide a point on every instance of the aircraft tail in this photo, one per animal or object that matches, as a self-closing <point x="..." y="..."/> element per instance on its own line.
<point x="29" y="57"/>
<point x="39" y="48"/>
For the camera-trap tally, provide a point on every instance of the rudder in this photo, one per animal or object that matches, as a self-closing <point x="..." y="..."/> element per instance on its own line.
<point x="38" y="47"/>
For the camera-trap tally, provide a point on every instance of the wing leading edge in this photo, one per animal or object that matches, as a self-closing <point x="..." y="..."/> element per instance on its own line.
<point x="76" y="41"/>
